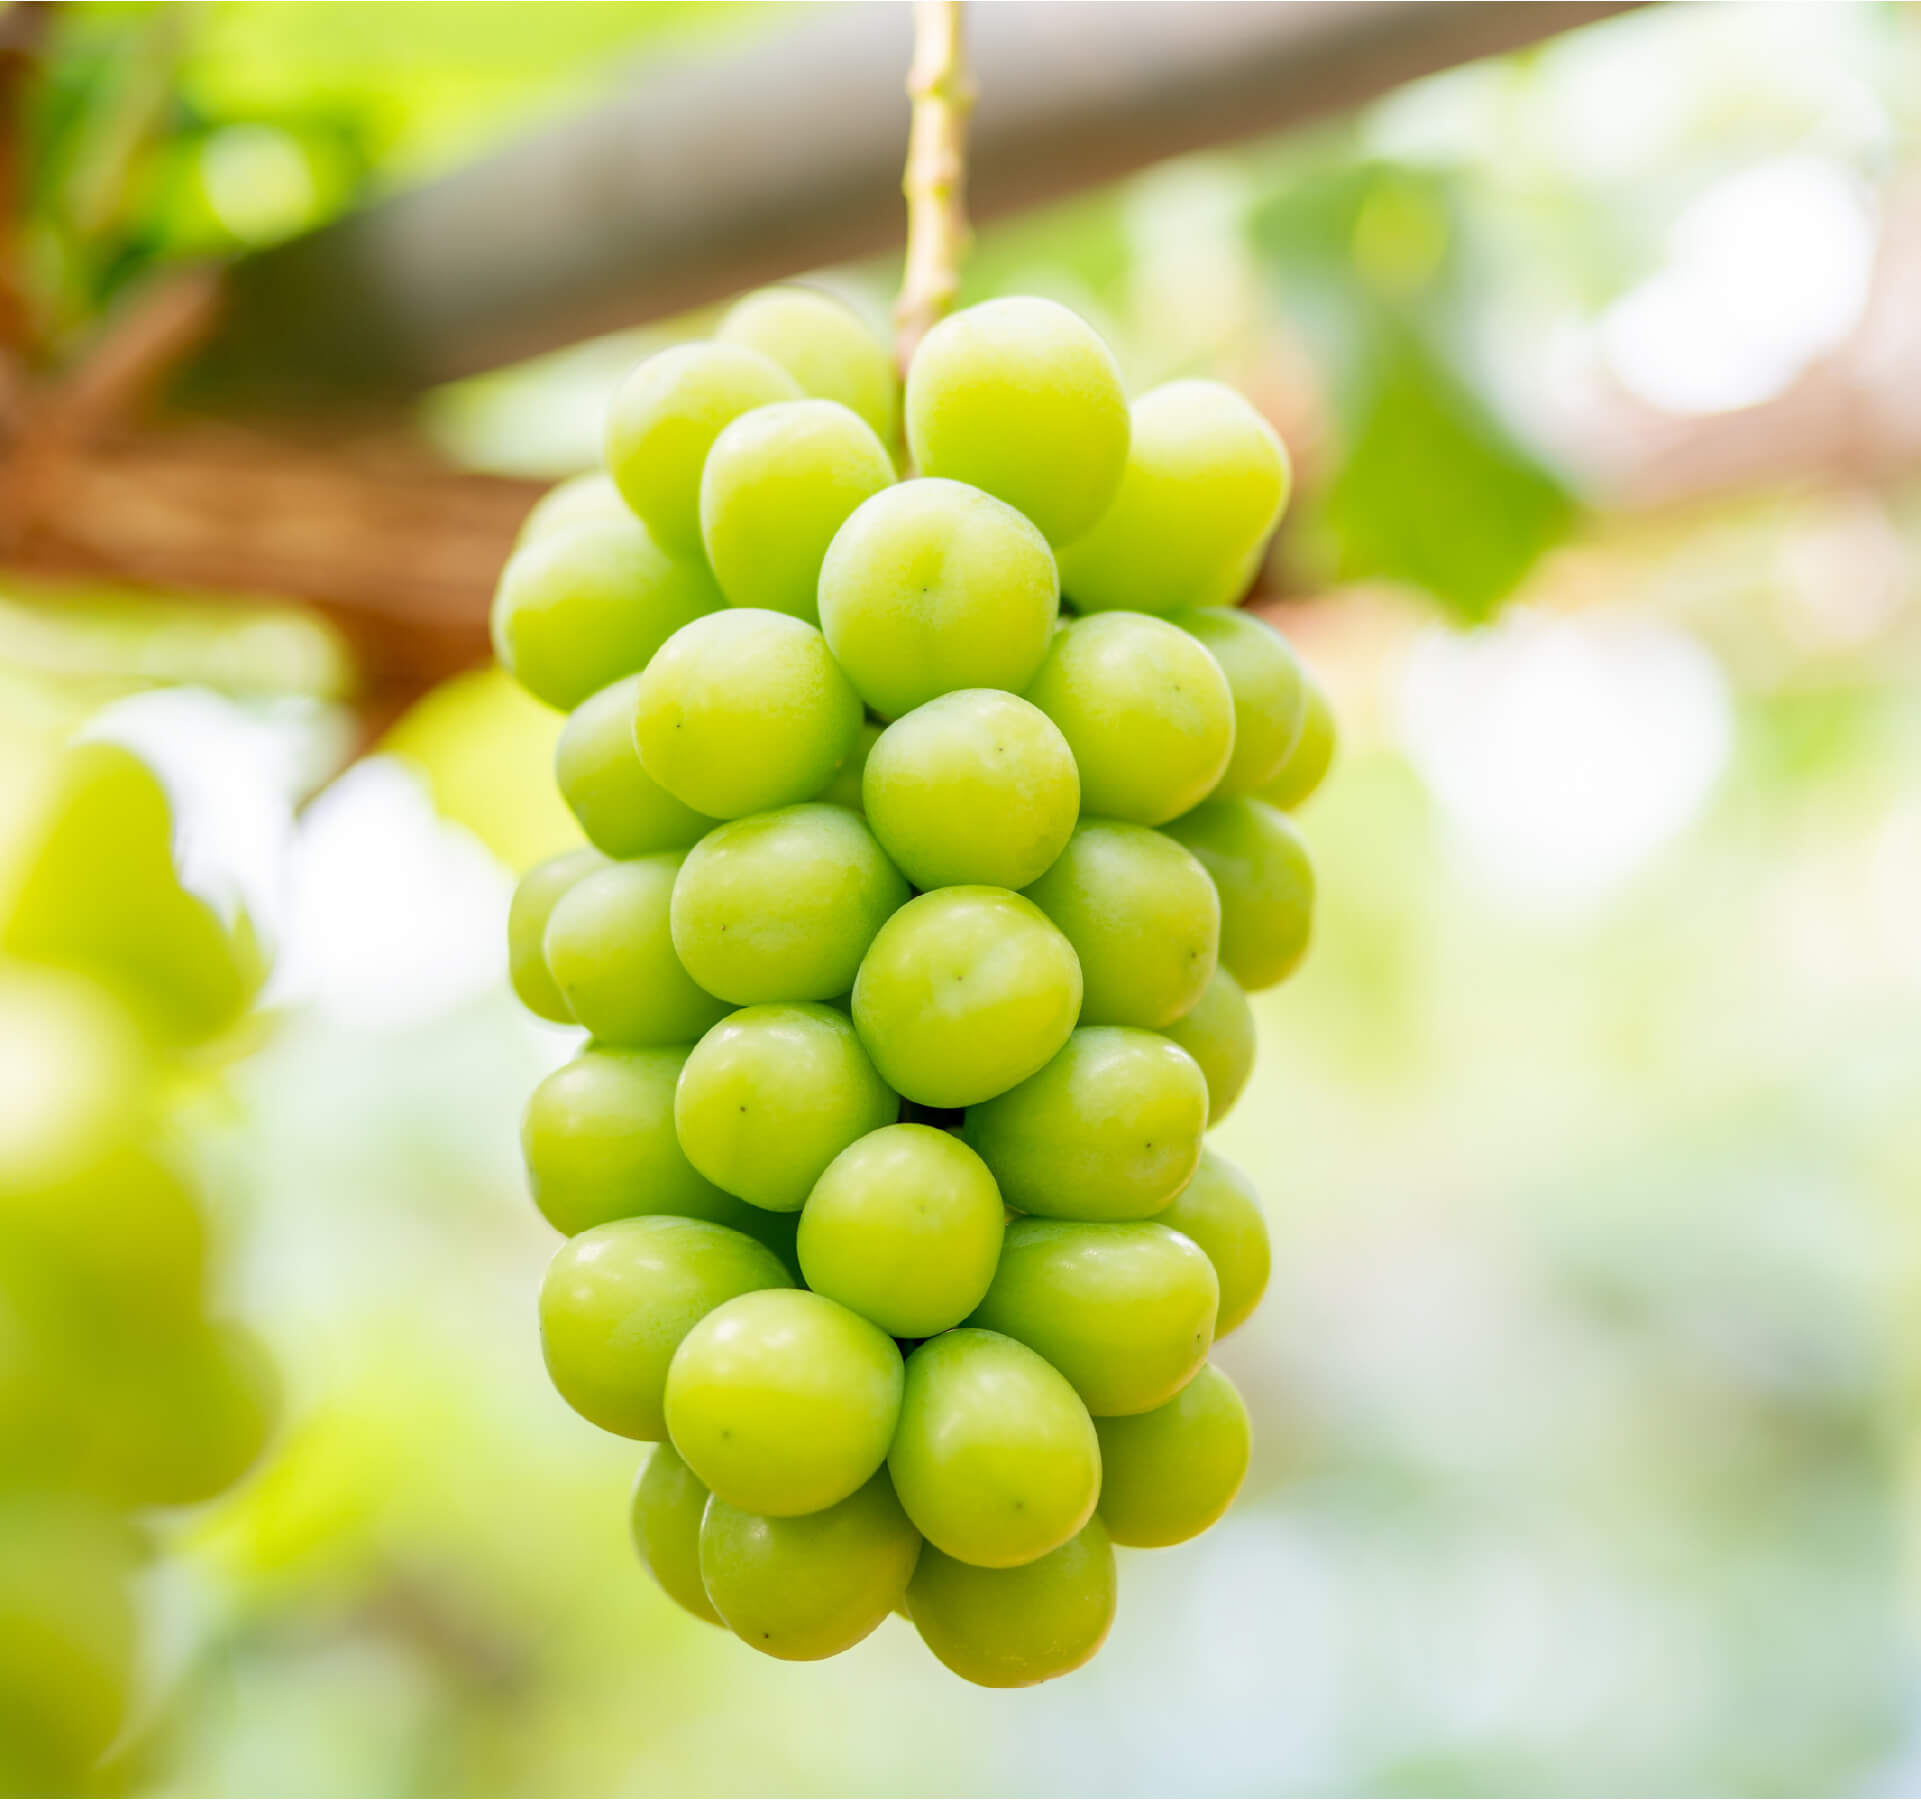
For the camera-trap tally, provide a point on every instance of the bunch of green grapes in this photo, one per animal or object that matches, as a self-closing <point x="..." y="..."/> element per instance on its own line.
<point x="121" y="1389"/>
<point x="911" y="940"/>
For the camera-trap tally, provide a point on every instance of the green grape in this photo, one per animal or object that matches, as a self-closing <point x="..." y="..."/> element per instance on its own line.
<point x="535" y="897"/>
<point x="1021" y="398"/>
<point x="844" y="789"/>
<point x="772" y="1095"/>
<point x="587" y="499"/>
<point x="73" y="1074"/>
<point x="1306" y="764"/>
<point x="1146" y="711"/>
<point x="932" y="586"/>
<point x="578" y="609"/>
<point x="975" y="786"/>
<point x="1143" y="919"/>
<point x="744" y="710"/>
<point x="963" y="993"/>
<point x="195" y="1420"/>
<point x="1270" y="699"/>
<point x="784" y="1403"/>
<point x="621" y="808"/>
<point x="610" y="946"/>
<point x="782" y="906"/>
<point x="812" y="1586"/>
<point x="1169" y="1474"/>
<point x="1265" y="881"/>
<point x="905" y="1228"/>
<point x="1110" y="1129"/>
<point x="779" y="483"/>
<point x="995" y="1460"/>
<point x="1218" y="1033"/>
<point x="824" y="346"/>
<point x="669" y="1500"/>
<point x="1124" y="1311"/>
<point x="618" y="1299"/>
<point x="1205" y="482"/>
<point x="1002" y="1628"/>
<point x="1221" y="1211"/>
<point x="599" y="1143"/>
<point x="664" y="419"/>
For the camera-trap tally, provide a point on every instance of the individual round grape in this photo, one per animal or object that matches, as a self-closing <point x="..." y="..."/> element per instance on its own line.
<point x="905" y="1228"/>
<point x="1307" y="762"/>
<point x="976" y="786"/>
<point x="843" y="790"/>
<point x="196" y="1415"/>
<point x="779" y="483"/>
<point x="742" y="711"/>
<point x="1143" y="919"/>
<point x="598" y="1138"/>
<point x="610" y="946"/>
<point x="963" y="993"/>
<point x="1205" y="482"/>
<point x="586" y="499"/>
<point x="1221" y="1211"/>
<point x="1013" y="1628"/>
<point x="664" y="419"/>
<point x="669" y="1500"/>
<point x="995" y="1460"/>
<point x="1110" y="1129"/>
<point x="1265" y="881"/>
<point x="621" y="808"/>
<point x="932" y="586"/>
<point x="577" y="609"/>
<point x="1124" y="1311"/>
<point x="1020" y="397"/>
<point x="772" y="1095"/>
<point x="1146" y="711"/>
<point x="813" y="1586"/>
<point x="784" y="1403"/>
<point x="1170" y="1473"/>
<point x="782" y="906"/>
<point x="1270" y="701"/>
<point x="1218" y="1033"/>
<point x="618" y="1299"/>
<point x="824" y="346"/>
<point x="535" y="897"/>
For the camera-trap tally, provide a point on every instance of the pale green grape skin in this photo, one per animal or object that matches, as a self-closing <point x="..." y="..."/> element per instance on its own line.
<point x="844" y="790"/>
<point x="1205" y="484"/>
<point x="742" y="711"/>
<point x="1125" y="1311"/>
<point x="599" y="1144"/>
<point x="621" y="808"/>
<point x="1218" y="1033"/>
<point x="963" y="993"/>
<point x="535" y="897"/>
<point x="824" y="346"/>
<point x="1265" y="881"/>
<point x="1021" y="398"/>
<point x="669" y="1500"/>
<point x="588" y="498"/>
<point x="610" y="946"/>
<point x="932" y="586"/>
<point x="1013" y="1628"/>
<point x="784" y="1403"/>
<point x="1270" y="699"/>
<point x="782" y="906"/>
<point x="996" y="1460"/>
<point x="1221" y="1211"/>
<point x="772" y="1095"/>
<point x="1146" y="711"/>
<point x="811" y="1586"/>
<point x="663" y="421"/>
<point x="1311" y="755"/>
<point x="905" y="1228"/>
<point x="580" y="607"/>
<point x="1110" y="1129"/>
<point x="976" y="786"/>
<point x="1143" y="919"/>
<point x="1169" y="1474"/>
<point x="618" y="1299"/>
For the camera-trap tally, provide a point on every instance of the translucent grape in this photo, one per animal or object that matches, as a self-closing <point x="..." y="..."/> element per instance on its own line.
<point x="1170" y="1473"/>
<point x="1270" y="701"/>
<point x="587" y="499"/>
<point x="535" y="897"/>
<point x="824" y="346"/>
<point x="621" y="808"/>
<point x="1218" y="1033"/>
<point x="669" y="1500"/>
<point x="843" y="789"/>
<point x="1265" y="881"/>
<point x="1221" y="1211"/>
<point x="1307" y="762"/>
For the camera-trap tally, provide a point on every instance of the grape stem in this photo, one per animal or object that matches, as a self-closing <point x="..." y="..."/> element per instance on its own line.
<point x="935" y="184"/>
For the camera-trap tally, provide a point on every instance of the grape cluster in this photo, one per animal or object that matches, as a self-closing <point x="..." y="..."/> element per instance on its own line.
<point x="911" y="940"/>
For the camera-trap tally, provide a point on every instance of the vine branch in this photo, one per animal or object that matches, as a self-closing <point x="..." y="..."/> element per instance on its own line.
<point x="935" y="184"/>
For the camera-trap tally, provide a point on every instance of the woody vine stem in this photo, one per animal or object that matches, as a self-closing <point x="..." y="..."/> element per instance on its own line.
<point x="942" y="90"/>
